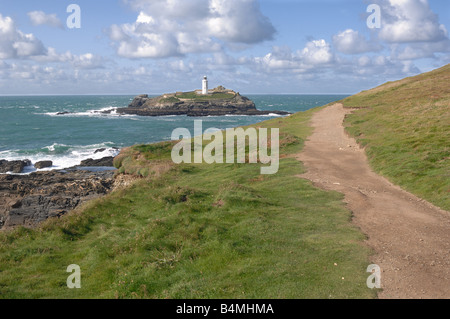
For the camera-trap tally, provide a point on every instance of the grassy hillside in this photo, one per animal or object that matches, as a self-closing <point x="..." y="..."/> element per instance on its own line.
<point x="405" y="127"/>
<point x="197" y="231"/>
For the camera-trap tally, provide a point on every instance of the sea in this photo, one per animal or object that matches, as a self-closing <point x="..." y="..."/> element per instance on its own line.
<point x="30" y="127"/>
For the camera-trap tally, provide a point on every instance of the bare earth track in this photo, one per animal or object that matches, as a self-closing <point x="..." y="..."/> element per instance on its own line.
<point x="410" y="237"/>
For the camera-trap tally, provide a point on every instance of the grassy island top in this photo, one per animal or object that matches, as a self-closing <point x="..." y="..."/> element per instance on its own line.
<point x="219" y="93"/>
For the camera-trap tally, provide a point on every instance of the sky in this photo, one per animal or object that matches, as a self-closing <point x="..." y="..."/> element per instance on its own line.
<point x="251" y="46"/>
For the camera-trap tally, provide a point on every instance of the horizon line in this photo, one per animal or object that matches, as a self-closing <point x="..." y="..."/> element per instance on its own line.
<point x="134" y="94"/>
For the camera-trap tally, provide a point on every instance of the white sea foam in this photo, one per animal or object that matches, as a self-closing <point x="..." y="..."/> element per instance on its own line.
<point x="104" y="112"/>
<point x="272" y="115"/>
<point x="62" y="156"/>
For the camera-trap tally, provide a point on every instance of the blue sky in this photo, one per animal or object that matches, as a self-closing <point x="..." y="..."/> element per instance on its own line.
<point x="265" y="46"/>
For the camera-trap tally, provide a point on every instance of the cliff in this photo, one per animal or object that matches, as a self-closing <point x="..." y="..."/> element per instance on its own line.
<point x="219" y="102"/>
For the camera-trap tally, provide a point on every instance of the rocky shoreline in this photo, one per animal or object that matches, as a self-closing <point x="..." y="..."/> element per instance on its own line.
<point x="27" y="200"/>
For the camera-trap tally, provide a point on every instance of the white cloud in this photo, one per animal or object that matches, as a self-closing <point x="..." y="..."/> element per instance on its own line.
<point x="364" y="61"/>
<point x="317" y="52"/>
<point x="41" y="18"/>
<point x="138" y="44"/>
<point x="374" y="69"/>
<point x="178" y="27"/>
<point x="16" y="44"/>
<point x="87" y="61"/>
<point x="410" y="21"/>
<point x="238" y="21"/>
<point x="315" y="55"/>
<point x="416" y="51"/>
<point x="82" y="61"/>
<point x="352" y="42"/>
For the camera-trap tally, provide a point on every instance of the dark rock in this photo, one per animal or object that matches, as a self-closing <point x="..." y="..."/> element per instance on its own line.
<point x="105" y="111"/>
<point x="104" y="149"/>
<point x="16" y="204"/>
<point x="100" y="150"/>
<point x="63" y="113"/>
<point x="139" y="101"/>
<point x="28" y="200"/>
<point x="43" y="164"/>
<point x="105" y="161"/>
<point x="13" y="166"/>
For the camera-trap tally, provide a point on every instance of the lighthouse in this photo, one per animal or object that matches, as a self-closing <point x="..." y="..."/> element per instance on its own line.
<point x="205" y="86"/>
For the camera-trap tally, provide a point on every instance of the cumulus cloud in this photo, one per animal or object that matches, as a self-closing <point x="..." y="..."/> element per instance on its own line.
<point x="239" y="21"/>
<point x="82" y="61"/>
<point x="413" y="30"/>
<point x="416" y="51"/>
<point x="178" y="27"/>
<point x="375" y="69"/>
<point x="16" y="44"/>
<point x="315" y="55"/>
<point x="87" y="61"/>
<point x="410" y="21"/>
<point x="317" y="52"/>
<point x="41" y="18"/>
<point x="352" y="42"/>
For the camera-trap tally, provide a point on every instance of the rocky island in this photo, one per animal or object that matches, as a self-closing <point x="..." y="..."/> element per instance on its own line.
<point x="216" y="102"/>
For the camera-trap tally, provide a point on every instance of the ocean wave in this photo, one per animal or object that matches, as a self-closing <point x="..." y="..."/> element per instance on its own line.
<point x="273" y="115"/>
<point x="263" y="115"/>
<point x="63" y="156"/>
<point x="231" y="115"/>
<point x="104" y="112"/>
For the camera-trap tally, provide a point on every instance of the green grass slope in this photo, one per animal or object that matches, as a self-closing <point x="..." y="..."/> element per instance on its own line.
<point x="405" y="127"/>
<point x="197" y="231"/>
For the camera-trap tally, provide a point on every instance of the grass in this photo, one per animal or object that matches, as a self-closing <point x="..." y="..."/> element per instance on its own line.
<point x="213" y="96"/>
<point x="171" y="99"/>
<point x="197" y="231"/>
<point x="405" y="128"/>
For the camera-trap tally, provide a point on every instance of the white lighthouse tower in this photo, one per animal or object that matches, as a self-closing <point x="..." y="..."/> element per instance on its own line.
<point x="205" y="86"/>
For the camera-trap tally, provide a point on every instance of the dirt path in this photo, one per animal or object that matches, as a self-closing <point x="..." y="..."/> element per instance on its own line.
<point x="410" y="237"/>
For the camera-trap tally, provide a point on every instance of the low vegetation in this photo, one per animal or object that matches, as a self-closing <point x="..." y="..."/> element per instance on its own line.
<point x="405" y="128"/>
<point x="197" y="231"/>
<point x="212" y="96"/>
<point x="171" y="99"/>
<point x="224" y="230"/>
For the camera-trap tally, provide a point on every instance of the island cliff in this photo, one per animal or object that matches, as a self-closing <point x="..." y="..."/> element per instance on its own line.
<point x="218" y="102"/>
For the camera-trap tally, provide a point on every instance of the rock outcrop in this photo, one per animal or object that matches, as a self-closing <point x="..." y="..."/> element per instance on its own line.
<point x="218" y="103"/>
<point x="105" y="161"/>
<point x="43" y="164"/>
<point x="27" y="200"/>
<point x="13" y="166"/>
